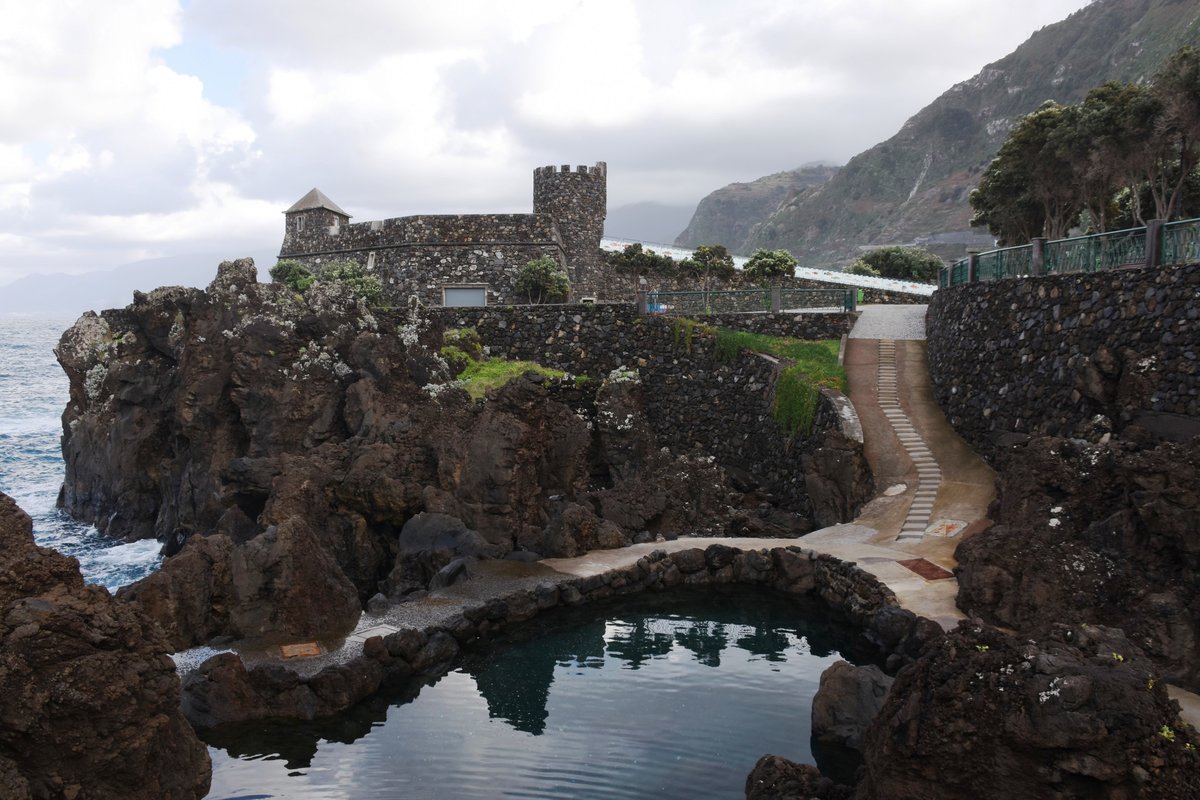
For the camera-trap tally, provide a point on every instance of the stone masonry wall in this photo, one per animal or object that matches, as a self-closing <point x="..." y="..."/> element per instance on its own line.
<point x="1070" y="355"/>
<point x="223" y="689"/>
<point x="624" y="286"/>
<point x="419" y="255"/>
<point x="694" y="400"/>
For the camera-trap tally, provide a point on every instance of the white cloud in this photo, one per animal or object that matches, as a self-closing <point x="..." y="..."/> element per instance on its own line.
<point x="108" y="153"/>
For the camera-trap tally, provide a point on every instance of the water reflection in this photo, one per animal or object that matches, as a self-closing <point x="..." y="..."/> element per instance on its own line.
<point x="622" y="703"/>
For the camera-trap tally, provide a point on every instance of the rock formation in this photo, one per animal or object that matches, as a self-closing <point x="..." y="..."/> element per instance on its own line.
<point x="1074" y="715"/>
<point x="1098" y="534"/>
<point x="846" y="702"/>
<point x="90" y="701"/>
<point x="281" y="444"/>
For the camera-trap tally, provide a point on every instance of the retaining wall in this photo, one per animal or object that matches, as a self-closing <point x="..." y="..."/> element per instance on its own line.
<point x="694" y="400"/>
<point x="1072" y="355"/>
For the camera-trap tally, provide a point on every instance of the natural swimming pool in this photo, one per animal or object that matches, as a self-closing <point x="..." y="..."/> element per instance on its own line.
<point x="666" y="695"/>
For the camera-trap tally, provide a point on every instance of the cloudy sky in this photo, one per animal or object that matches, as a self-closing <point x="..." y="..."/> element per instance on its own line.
<point x="133" y="129"/>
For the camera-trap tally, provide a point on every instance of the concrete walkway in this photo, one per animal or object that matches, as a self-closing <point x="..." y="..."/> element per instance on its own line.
<point x="932" y="490"/>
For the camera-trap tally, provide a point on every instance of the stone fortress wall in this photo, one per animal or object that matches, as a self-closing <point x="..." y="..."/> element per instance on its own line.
<point x="1073" y="355"/>
<point x="422" y="255"/>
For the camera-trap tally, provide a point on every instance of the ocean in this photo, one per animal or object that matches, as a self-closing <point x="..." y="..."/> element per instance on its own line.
<point x="33" y="394"/>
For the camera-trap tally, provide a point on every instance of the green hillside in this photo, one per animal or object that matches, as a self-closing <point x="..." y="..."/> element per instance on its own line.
<point x="916" y="183"/>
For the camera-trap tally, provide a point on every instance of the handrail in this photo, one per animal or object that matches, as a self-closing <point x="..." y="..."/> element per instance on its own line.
<point x="1158" y="244"/>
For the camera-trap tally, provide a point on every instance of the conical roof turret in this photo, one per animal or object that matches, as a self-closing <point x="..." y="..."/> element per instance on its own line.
<point x="316" y="199"/>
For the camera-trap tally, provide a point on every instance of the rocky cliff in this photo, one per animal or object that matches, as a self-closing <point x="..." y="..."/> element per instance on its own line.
<point x="728" y="215"/>
<point x="300" y="453"/>
<point x="916" y="183"/>
<point x="90" y="702"/>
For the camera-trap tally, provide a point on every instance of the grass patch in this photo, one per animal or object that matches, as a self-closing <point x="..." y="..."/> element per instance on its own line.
<point x="480" y="377"/>
<point x="797" y="392"/>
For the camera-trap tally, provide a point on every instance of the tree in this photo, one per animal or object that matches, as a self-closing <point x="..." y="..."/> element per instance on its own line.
<point x="1177" y="129"/>
<point x="901" y="263"/>
<point x="1098" y="143"/>
<point x="637" y="261"/>
<point x="293" y="273"/>
<point x="1031" y="188"/>
<point x="542" y="280"/>
<point x="709" y="261"/>
<point x="767" y="264"/>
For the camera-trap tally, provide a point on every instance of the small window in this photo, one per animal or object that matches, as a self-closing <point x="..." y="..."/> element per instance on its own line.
<point x="459" y="296"/>
<point x="299" y="223"/>
<point x="371" y="260"/>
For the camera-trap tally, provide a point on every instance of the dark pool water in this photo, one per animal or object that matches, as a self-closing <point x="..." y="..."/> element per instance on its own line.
<point x="675" y="696"/>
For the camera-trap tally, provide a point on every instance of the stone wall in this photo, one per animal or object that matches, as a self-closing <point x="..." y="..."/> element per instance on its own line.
<point x="624" y="286"/>
<point x="223" y="690"/>
<point x="1074" y="355"/>
<point x="694" y="400"/>
<point x="809" y="326"/>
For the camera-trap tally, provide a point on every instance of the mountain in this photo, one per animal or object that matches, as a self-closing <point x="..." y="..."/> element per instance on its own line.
<point x="916" y="183"/>
<point x="647" y="222"/>
<point x="74" y="294"/>
<point x="727" y="215"/>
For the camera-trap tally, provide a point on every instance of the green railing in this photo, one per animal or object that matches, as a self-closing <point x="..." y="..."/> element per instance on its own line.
<point x="1181" y="242"/>
<point x="693" y="303"/>
<point x="815" y="298"/>
<point x="1096" y="253"/>
<point x="1007" y="263"/>
<point x="1177" y="243"/>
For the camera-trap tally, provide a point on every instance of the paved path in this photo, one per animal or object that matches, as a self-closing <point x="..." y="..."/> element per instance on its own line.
<point x="890" y="322"/>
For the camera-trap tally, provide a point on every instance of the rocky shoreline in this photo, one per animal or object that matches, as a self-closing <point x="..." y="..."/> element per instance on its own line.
<point x="308" y="460"/>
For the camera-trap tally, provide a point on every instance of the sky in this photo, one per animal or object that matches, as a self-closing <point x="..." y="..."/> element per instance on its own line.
<point x="137" y="129"/>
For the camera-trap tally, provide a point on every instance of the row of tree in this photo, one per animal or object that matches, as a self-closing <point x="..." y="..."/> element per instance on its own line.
<point x="1125" y="154"/>
<point x="707" y="263"/>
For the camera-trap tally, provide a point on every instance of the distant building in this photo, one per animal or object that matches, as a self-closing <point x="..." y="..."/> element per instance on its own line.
<point x="463" y="259"/>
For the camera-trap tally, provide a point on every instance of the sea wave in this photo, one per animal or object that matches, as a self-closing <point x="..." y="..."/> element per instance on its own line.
<point x="33" y="393"/>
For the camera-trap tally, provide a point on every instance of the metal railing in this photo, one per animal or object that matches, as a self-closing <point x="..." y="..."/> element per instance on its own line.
<point x="1181" y="242"/>
<point x="1096" y="253"/>
<point x="1158" y="244"/>
<point x="1008" y="262"/>
<point x="741" y="301"/>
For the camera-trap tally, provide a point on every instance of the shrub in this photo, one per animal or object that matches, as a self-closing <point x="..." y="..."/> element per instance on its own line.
<point x="904" y="263"/>
<point x="352" y="275"/>
<point x="542" y="280"/>
<point x="861" y="267"/>
<point x="292" y="273"/>
<point x="767" y="264"/>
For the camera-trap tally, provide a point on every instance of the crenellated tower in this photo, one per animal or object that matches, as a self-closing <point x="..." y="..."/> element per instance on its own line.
<point x="578" y="202"/>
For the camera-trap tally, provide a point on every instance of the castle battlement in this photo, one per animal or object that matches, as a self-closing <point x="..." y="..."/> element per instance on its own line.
<point x="600" y="170"/>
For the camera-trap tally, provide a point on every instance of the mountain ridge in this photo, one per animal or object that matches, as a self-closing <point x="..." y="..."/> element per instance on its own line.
<point x="916" y="183"/>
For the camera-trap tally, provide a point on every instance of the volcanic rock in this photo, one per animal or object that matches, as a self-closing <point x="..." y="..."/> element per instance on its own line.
<point x="1078" y="714"/>
<point x="90" y="701"/>
<point x="846" y="702"/>
<point x="1104" y="533"/>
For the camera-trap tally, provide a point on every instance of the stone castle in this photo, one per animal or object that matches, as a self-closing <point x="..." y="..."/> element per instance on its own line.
<point x="464" y="259"/>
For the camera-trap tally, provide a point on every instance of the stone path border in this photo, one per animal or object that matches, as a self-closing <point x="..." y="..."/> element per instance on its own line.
<point x="929" y="474"/>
